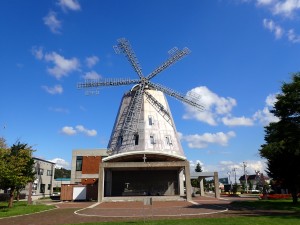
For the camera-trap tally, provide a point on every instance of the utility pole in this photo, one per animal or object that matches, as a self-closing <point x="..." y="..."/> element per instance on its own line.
<point x="245" y="175"/>
<point x="234" y="171"/>
<point x="229" y="182"/>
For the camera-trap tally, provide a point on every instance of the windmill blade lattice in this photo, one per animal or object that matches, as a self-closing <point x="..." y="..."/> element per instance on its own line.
<point x="125" y="48"/>
<point x="189" y="99"/>
<point x="176" y="55"/>
<point x="139" y="93"/>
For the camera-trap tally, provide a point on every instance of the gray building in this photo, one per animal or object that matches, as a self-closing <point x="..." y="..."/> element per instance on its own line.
<point x="42" y="186"/>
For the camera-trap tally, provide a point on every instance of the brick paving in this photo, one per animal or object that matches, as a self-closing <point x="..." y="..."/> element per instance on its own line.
<point x="79" y="212"/>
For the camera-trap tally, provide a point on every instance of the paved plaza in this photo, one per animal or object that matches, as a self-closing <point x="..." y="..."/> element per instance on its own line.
<point x="78" y="212"/>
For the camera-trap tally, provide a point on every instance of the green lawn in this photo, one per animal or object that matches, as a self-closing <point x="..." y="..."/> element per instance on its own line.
<point x="261" y="220"/>
<point x="21" y="208"/>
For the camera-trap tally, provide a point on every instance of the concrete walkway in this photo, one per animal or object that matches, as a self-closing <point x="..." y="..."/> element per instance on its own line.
<point x="78" y="212"/>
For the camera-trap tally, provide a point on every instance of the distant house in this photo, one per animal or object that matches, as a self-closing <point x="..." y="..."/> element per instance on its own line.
<point x="42" y="186"/>
<point x="255" y="181"/>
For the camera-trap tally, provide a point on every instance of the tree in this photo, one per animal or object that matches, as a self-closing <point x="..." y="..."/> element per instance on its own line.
<point x="3" y="143"/>
<point x="198" y="168"/>
<point x="282" y="147"/>
<point x="16" y="166"/>
<point x="62" y="173"/>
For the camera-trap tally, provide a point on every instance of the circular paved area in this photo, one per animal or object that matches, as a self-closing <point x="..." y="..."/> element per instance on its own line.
<point x="157" y="209"/>
<point x="78" y="212"/>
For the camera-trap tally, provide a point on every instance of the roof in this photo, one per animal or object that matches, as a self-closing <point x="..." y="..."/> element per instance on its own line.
<point x="195" y="175"/>
<point x="62" y="179"/>
<point x="39" y="159"/>
<point x="252" y="177"/>
<point x="150" y="155"/>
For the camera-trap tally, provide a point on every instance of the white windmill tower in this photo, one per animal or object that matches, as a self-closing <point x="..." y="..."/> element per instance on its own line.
<point x="144" y="131"/>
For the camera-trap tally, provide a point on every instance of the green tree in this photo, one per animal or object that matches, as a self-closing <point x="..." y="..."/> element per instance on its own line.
<point x="282" y="147"/>
<point x="195" y="183"/>
<point x="62" y="173"/>
<point x="198" y="168"/>
<point x="16" y="166"/>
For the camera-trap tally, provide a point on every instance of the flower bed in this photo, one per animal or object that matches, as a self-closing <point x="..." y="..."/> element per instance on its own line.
<point x="276" y="196"/>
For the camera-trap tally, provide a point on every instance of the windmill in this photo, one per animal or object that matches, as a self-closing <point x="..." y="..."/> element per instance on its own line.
<point x="144" y="130"/>
<point x="126" y="130"/>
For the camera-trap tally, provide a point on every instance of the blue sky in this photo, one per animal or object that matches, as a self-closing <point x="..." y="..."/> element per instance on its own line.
<point x="241" y="52"/>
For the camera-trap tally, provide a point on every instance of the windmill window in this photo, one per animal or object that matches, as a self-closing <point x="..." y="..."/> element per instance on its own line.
<point x="150" y="119"/>
<point x="136" y="139"/>
<point x="120" y="140"/>
<point x="152" y="140"/>
<point x="168" y="140"/>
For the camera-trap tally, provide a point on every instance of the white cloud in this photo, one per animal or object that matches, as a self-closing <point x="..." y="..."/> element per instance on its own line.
<point x="293" y="37"/>
<point x="271" y="100"/>
<point x="280" y="8"/>
<point x="52" y="22"/>
<point x="92" y="75"/>
<point x="265" y="2"/>
<point x="62" y="66"/>
<point x="60" y="163"/>
<point x="253" y="166"/>
<point x="237" y="121"/>
<point x="68" y="130"/>
<point x="216" y="109"/>
<point x="91" y="61"/>
<point x="279" y="31"/>
<point x="225" y="167"/>
<point x="193" y="164"/>
<point x="202" y="141"/>
<point x="37" y="52"/>
<point x="87" y="132"/>
<point x="287" y="7"/>
<point x="265" y="116"/>
<point x="214" y="106"/>
<point x="69" y="5"/>
<point x="57" y="89"/>
<point x="274" y="28"/>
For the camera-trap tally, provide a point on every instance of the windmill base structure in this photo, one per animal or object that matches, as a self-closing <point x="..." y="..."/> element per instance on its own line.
<point x="145" y="156"/>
